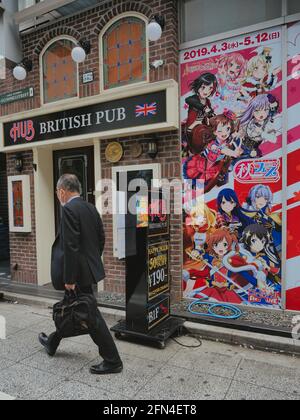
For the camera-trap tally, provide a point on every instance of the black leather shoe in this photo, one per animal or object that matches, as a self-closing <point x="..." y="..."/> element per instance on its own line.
<point x="106" y="369"/>
<point x="44" y="340"/>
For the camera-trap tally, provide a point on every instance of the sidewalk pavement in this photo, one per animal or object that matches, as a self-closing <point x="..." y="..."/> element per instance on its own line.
<point x="212" y="372"/>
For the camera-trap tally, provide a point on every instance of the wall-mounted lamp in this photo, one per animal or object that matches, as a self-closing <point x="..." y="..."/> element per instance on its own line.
<point x="21" y="70"/>
<point x="153" y="147"/>
<point x="155" y="28"/>
<point x="19" y="162"/>
<point x="80" y="52"/>
<point x="157" y="64"/>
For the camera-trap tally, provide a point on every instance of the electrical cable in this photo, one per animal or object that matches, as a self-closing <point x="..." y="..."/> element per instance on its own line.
<point x="236" y="312"/>
<point x="188" y="346"/>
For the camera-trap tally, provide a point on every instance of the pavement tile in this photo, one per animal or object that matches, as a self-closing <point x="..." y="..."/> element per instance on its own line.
<point x="46" y="326"/>
<point x="5" y="363"/>
<point x="22" y="321"/>
<point x="137" y="372"/>
<point x="26" y="383"/>
<point x="272" y="358"/>
<point x="11" y="330"/>
<point x="212" y="372"/>
<point x="70" y="358"/>
<point x="251" y="354"/>
<point x="241" y="391"/>
<point x="203" y="361"/>
<point x="75" y="391"/>
<point x="149" y="353"/>
<point x="173" y="383"/>
<point x="268" y="375"/>
<point x="19" y="346"/>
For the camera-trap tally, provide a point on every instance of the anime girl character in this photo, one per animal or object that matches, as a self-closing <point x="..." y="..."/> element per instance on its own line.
<point x="212" y="161"/>
<point x="231" y="72"/>
<point x="260" y="80"/>
<point x="257" y="125"/>
<point x="199" y="223"/>
<point x="230" y="213"/>
<point x="259" y="206"/>
<point x="220" y="287"/>
<point x="256" y="241"/>
<point x="200" y="108"/>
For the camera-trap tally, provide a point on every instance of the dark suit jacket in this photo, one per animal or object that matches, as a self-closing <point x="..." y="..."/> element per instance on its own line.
<point x="78" y="247"/>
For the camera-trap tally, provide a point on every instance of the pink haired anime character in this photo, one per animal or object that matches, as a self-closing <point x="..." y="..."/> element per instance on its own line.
<point x="231" y="73"/>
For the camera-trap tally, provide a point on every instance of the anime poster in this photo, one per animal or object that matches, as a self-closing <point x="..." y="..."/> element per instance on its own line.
<point x="231" y="106"/>
<point x="293" y="190"/>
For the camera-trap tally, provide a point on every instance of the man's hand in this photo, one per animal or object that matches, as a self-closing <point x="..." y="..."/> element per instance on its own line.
<point x="70" y="287"/>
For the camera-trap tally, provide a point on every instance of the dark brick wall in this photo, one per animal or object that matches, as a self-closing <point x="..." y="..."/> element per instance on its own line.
<point x="3" y="190"/>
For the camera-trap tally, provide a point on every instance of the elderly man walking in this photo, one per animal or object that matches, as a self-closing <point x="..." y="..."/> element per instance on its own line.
<point x="76" y="263"/>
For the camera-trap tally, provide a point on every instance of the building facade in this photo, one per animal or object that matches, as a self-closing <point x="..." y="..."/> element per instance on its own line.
<point x="127" y="75"/>
<point x="131" y="93"/>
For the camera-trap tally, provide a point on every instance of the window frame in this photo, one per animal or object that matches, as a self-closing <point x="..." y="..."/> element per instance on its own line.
<point x="283" y="20"/>
<point x="61" y="101"/>
<point x="101" y="52"/>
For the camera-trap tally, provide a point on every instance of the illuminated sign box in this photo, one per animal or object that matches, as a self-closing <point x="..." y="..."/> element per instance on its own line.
<point x="138" y="111"/>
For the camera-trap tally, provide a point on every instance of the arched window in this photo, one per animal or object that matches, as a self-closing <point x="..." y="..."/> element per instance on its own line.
<point x="124" y="46"/>
<point x="60" y="72"/>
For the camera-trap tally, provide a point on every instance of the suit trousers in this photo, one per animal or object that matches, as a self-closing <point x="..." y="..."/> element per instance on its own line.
<point x="100" y="335"/>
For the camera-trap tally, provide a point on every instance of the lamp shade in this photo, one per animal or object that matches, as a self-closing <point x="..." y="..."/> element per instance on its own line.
<point x="78" y="55"/>
<point x="154" y="31"/>
<point x="20" y="73"/>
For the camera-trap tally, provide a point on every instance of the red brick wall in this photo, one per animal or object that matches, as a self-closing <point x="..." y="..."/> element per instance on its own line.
<point x="169" y="150"/>
<point x="23" y="245"/>
<point x="88" y="25"/>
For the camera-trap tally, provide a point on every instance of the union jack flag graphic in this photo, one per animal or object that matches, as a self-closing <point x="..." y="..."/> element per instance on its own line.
<point x="146" y="110"/>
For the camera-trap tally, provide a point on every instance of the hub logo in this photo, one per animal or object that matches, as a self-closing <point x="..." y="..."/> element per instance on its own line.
<point x="23" y="130"/>
<point x="2" y="328"/>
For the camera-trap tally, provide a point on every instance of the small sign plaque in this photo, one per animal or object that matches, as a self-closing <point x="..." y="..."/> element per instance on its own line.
<point x="88" y="77"/>
<point x="19" y="95"/>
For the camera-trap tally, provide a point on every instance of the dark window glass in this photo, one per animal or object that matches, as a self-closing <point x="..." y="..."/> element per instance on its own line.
<point x="201" y="18"/>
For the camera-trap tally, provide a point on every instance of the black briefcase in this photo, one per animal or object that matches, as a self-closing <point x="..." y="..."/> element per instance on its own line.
<point x="75" y="315"/>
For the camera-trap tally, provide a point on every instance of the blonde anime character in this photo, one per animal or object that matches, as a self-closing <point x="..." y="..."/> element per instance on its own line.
<point x="260" y="77"/>
<point x="200" y="223"/>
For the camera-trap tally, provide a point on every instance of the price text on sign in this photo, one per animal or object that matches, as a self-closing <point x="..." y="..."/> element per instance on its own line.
<point x="158" y="274"/>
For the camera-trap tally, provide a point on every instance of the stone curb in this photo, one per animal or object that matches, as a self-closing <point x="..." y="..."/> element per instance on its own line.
<point x="251" y="340"/>
<point x="219" y="334"/>
<point x="46" y="303"/>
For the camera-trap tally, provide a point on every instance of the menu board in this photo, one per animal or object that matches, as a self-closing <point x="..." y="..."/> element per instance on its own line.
<point x="158" y="269"/>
